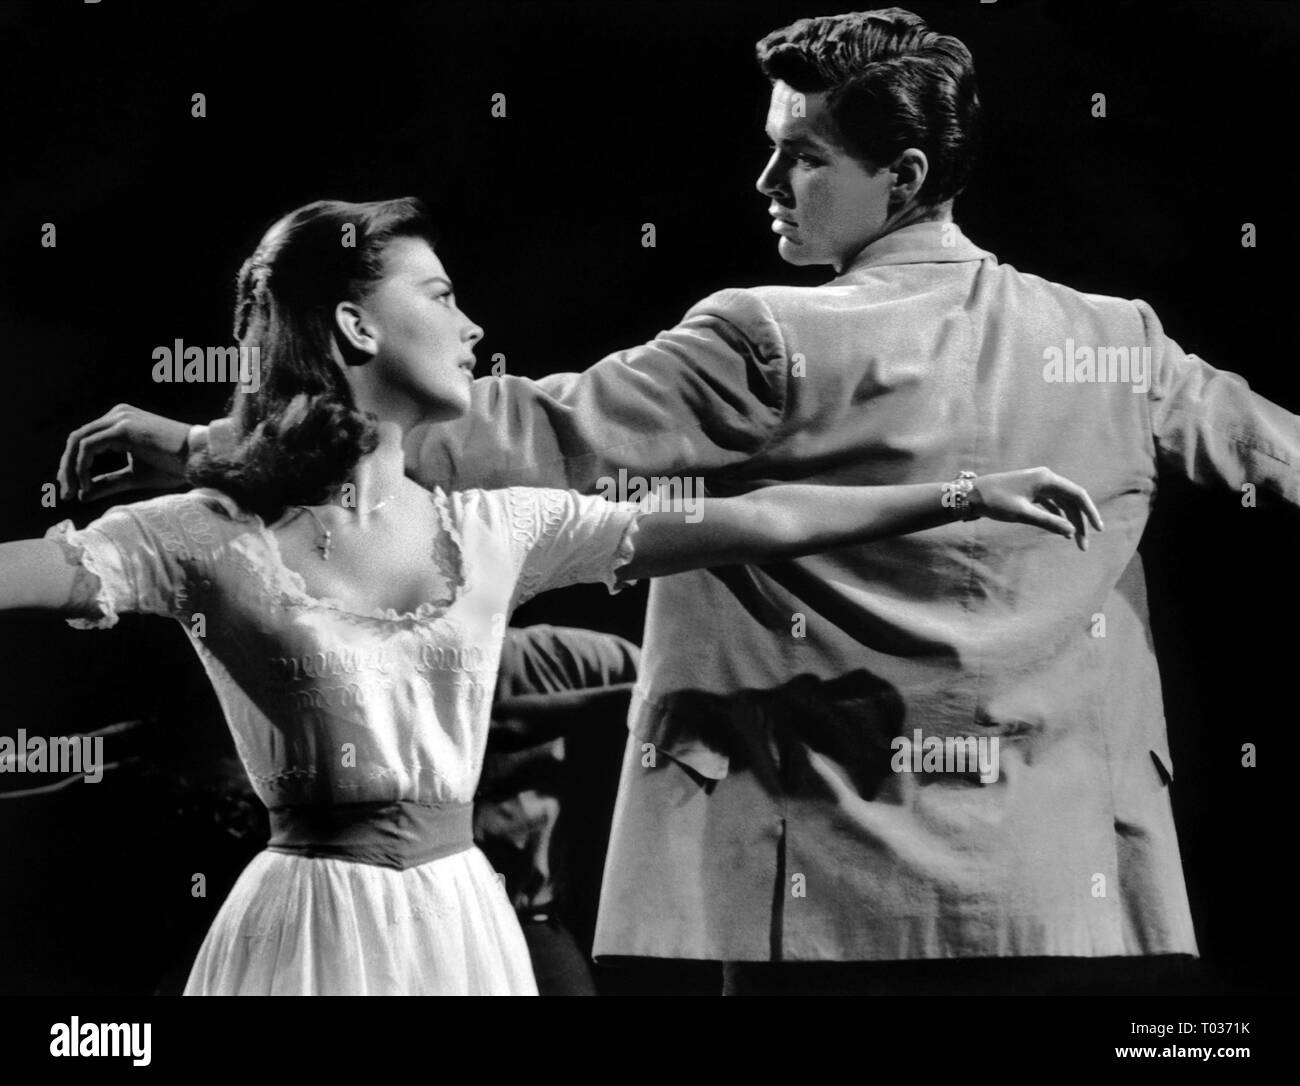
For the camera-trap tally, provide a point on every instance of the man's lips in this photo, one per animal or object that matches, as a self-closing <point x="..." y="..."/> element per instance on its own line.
<point x="781" y="223"/>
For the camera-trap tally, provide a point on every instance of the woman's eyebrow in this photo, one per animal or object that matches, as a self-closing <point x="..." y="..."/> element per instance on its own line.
<point x="438" y="279"/>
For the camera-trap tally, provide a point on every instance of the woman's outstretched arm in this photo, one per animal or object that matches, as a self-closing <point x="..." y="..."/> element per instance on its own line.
<point x="780" y="522"/>
<point x="46" y="575"/>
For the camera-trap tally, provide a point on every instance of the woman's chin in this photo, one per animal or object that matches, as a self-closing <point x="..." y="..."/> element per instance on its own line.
<point x="445" y="410"/>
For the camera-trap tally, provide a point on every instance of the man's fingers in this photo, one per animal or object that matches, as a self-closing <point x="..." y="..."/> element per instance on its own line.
<point x="91" y="447"/>
<point x="72" y="447"/>
<point x="110" y="483"/>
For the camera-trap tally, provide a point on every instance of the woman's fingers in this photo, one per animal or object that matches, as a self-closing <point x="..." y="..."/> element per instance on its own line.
<point x="1062" y="488"/>
<point x="1029" y="513"/>
<point x="1070" y="511"/>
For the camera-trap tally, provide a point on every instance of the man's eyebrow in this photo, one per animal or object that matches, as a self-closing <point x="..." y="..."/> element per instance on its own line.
<point x="797" y="141"/>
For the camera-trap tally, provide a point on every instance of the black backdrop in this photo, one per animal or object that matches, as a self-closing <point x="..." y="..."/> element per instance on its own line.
<point x="616" y="115"/>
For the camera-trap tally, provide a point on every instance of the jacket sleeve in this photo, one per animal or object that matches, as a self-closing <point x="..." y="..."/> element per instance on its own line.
<point x="1211" y="428"/>
<point x="702" y="397"/>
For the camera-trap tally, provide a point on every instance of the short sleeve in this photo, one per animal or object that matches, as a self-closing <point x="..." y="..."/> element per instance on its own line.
<point x="146" y="556"/>
<point x="569" y="538"/>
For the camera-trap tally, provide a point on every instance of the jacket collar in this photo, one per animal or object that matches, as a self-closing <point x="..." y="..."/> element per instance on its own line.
<point x="920" y="243"/>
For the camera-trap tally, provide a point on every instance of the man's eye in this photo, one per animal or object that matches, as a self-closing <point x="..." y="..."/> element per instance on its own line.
<point x="807" y="160"/>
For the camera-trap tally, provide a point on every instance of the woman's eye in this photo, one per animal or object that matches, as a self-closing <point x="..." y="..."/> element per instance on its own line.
<point x="445" y="297"/>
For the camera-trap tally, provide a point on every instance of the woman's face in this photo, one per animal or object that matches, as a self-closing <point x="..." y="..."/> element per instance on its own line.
<point x="423" y="360"/>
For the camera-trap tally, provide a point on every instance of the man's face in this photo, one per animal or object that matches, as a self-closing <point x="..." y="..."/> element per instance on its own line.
<point x="826" y="205"/>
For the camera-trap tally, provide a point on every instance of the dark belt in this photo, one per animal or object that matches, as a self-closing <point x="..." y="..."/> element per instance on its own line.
<point x="401" y="834"/>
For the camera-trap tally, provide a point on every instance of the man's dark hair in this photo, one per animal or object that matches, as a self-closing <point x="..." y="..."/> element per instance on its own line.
<point x="891" y="83"/>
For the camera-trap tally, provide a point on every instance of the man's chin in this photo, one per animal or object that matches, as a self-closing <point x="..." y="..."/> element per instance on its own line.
<point x="794" y="252"/>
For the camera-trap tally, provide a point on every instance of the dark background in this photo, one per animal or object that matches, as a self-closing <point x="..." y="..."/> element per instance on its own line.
<point x="617" y="115"/>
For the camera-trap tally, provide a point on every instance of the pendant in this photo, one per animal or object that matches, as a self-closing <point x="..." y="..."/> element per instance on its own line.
<point x="327" y="538"/>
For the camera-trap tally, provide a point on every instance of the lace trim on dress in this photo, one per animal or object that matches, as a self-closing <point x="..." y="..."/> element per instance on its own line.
<point x="624" y="553"/>
<point x="63" y="532"/>
<point x="286" y="587"/>
<point x="449" y="547"/>
<point x="531" y="525"/>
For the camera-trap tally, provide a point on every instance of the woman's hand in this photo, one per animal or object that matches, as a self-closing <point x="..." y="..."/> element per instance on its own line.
<point x="154" y="447"/>
<point x="1040" y="497"/>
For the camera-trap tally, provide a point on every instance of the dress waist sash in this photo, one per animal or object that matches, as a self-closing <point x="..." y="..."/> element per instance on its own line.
<point x="400" y="834"/>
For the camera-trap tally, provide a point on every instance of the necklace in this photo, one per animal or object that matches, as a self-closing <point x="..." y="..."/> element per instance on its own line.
<point x="326" y="540"/>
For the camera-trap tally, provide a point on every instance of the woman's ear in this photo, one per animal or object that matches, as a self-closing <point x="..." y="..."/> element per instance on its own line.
<point x="356" y="334"/>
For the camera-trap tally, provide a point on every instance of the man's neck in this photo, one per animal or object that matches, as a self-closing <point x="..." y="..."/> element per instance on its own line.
<point x="908" y="216"/>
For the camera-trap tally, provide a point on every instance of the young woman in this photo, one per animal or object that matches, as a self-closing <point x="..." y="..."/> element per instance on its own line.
<point x="351" y="621"/>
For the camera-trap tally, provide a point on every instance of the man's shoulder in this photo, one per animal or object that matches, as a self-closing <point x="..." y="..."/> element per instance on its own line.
<point x="1026" y="288"/>
<point x="768" y="301"/>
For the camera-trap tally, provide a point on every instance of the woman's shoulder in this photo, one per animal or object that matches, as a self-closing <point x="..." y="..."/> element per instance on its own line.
<point x="523" y="510"/>
<point x="202" y="514"/>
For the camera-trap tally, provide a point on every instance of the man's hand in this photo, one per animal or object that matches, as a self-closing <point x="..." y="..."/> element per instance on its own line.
<point x="154" y="448"/>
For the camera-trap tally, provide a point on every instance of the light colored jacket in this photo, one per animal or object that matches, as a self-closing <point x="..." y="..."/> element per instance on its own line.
<point x="766" y="809"/>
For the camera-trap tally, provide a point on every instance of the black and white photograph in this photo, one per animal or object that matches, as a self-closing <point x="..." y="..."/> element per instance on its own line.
<point x="649" y="500"/>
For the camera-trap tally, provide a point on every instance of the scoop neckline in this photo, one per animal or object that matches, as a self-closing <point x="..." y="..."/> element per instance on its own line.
<point x="430" y="610"/>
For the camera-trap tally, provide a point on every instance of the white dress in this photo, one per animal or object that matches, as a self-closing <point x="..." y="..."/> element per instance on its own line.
<point x="328" y="706"/>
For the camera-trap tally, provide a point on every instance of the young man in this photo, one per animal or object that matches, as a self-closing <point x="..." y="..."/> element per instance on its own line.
<point x="946" y="746"/>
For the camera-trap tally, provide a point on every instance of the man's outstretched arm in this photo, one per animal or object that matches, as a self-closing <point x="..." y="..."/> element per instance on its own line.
<point x="701" y="397"/>
<point x="1211" y="428"/>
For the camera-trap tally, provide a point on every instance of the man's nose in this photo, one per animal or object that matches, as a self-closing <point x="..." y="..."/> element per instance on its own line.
<point x="771" y="182"/>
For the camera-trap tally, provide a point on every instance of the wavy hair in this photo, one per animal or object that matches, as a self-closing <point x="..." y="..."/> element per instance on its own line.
<point x="302" y="432"/>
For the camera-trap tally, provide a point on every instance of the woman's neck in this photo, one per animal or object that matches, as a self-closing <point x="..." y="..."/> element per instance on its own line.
<point x="379" y="474"/>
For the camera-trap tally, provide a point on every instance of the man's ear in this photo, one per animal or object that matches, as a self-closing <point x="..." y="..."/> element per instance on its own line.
<point x="910" y="170"/>
<point x="355" y="333"/>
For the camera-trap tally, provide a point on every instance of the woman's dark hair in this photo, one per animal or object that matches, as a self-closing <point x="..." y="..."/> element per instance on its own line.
<point x="302" y="434"/>
<point x="891" y="83"/>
